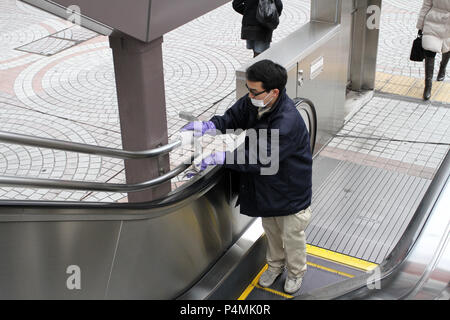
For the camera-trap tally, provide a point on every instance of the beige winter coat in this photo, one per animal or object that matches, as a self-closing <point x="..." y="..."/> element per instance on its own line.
<point x="434" y="21"/>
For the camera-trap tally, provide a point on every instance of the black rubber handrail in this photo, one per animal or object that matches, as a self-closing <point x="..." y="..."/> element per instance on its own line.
<point x="307" y="106"/>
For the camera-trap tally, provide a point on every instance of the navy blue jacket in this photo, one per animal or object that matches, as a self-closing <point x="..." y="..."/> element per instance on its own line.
<point x="289" y="190"/>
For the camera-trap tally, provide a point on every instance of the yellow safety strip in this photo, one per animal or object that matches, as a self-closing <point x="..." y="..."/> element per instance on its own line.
<point x="330" y="270"/>
<point x="321" y="253"/>
<point x="284" y="295"/>
<point x="252" y="285"/>
<point x="340" y="258"/>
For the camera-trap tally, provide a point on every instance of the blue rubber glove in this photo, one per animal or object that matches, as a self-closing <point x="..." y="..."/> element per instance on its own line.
<point x="200" y="128"/>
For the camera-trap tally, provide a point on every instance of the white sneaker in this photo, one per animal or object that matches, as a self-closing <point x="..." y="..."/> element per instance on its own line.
<point x="268" y="278"/>
<point x="292" y="285"/>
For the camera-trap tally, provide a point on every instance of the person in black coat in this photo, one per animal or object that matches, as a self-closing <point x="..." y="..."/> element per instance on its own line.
<point x="277" y="188"/>
<point x="258" y="37"/>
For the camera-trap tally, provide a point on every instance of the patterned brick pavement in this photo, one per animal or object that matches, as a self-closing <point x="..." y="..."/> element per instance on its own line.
<point x="397" y="32"/>
<point x="71" y="96"/>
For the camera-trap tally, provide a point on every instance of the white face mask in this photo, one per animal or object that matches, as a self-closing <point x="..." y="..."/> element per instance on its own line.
<point x="260" y="103"/>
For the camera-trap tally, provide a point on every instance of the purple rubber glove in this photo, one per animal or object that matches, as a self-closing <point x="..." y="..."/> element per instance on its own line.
<point x="200" y="128"/>
<point x="213" y="159"/>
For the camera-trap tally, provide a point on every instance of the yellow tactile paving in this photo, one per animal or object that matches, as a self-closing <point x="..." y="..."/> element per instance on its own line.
<point x="411" y="87"/>
<point x="402" y="80"/>
<point x="417" y="90"/>
<point x="379" y="85"/>
<point x="396" y="89"/>
<point x="444" y="93"/>
<point x="381" y="76"/>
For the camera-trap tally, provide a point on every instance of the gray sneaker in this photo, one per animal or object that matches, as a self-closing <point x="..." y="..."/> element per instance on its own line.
<point x="292" y="285"/>
<point x="268" y="278"/>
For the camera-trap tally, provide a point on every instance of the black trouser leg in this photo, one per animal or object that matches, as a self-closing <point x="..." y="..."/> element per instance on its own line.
<point x="443" y="66"/>
<point x="429" y="66"/>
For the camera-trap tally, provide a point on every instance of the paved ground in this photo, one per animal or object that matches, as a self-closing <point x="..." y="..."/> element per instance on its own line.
<point x="397" y="32"/>
<point x="70" y="94"/>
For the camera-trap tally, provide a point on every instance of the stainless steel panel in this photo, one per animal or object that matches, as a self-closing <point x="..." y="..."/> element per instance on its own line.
<point x="173" y="251"/>
<point x="291" y="86"/>
<point x="295" y="47"/>
<point x="250" y="250"/>
<point x="148" y="251"/>
<point x="145" y="20"/>
<point x="327" y="89"/>
<point x="166" y="15"/>
<point x="129" y="17"/>
<point x="34" y="257"/>
<point x="325" y="10"/>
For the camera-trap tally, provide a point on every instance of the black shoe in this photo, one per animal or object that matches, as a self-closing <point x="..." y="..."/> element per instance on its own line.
<point x="444" y="61"/>
<point x="429" y="66"/>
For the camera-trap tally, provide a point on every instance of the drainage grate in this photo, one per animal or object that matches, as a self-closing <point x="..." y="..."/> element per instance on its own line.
<point x="58" y="41"/>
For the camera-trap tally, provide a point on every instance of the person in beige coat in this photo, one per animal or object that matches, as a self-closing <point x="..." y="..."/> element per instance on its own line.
<point x="434" y="25"/>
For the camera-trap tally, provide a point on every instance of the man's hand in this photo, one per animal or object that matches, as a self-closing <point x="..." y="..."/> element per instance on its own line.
<point x="200" y="128"/>
<point x="213" y="159"/>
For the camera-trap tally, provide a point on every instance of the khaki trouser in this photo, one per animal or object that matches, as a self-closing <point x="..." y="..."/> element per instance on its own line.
<point x="287" y="242"/>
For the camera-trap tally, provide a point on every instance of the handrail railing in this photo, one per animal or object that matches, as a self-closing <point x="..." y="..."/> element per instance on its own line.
<point x="92" y="186"/>
<point x="27" y="140"/>
<point x="21" y="139"/>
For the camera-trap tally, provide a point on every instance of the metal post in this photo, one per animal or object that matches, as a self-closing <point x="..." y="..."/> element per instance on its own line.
<point x="139" y="76"/>
<point x="364" y="47"/>
<point x="326" y="11"/>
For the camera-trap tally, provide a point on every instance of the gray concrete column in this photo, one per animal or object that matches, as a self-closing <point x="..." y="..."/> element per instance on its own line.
<point x="138" y="68"/>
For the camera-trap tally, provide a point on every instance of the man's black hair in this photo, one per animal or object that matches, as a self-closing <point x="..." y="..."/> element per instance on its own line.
<point x="271" y="74"/>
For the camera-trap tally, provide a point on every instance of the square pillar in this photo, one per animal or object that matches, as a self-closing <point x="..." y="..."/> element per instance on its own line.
<point x="139" y="74"/>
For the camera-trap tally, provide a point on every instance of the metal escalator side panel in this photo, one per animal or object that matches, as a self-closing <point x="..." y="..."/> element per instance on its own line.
<point x="56" y="260"/>
<point x="154" y="250"/>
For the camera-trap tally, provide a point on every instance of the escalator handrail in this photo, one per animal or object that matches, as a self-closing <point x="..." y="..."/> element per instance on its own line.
<point x="27" y="140"/>
<point x="355" y="288"/>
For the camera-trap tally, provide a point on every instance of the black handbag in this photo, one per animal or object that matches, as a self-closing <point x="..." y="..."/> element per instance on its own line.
<point x="417" y="52"/>
<point x="267" y="14"/>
